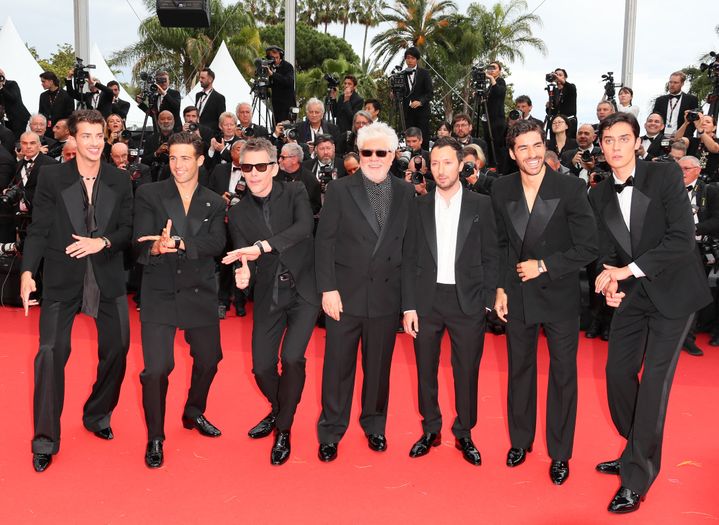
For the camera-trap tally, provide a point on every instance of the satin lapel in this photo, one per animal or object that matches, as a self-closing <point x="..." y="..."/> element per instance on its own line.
<point x="426" y="214"/>
<point x="359" y="194"/>
<point x="466" y="219"/>
<point x="544" y="207"/>
<point x="106" y="202"/>
<point x="172" y="202"/>
<point x="72" y="196"/>
<point x="517" y="208"/>
<point x="640" y="204"/>
<point x="394" y="209"/>
<point x="200" y="208"/>
<point x="614" y="220"/>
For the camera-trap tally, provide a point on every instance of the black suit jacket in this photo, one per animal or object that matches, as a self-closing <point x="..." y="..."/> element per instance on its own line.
<point x="32" y="179"/>
<point x="311" y="167"/>
<point x="212" y="108"/>
<point x="311" y="183"/>
<point x="7" y="139"/>
<point x="179" y="289"/>
<point x="707" y="201"/>
<point x="104" y="101"/>
<point x="219" y="180"/>
<point x="290" y="238"/>
<point x="60" y="109"/>
<point x="476" y="261"/>
<point x="346" y="110"/>
<point x="58" y="214"/>
<point x="655" y="147"/>
<point x="421" y="90"/>
<point x="560" y="230"/>
<point x="8" y="167"/>
<point x="282" y="84"/>
<point x="565" y="100"/>
<point x="352" y="254"/>
<point x="170" y="102"/>
<point x="661" y="242"/>
<point x="120" y="107"/>
<point x="661" y="106"/>
<point x="568" y="155"/>
<point x="305" y="134"/>
<point x="15" y="110"/>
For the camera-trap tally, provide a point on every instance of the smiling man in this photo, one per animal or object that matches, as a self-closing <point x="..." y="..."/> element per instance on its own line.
<point x="546" y="233"/>
<point x="81" y="224"/>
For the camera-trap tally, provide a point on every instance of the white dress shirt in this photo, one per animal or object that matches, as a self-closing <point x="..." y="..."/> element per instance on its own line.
<point x="625" y="205"/>
<point x="446" y="217"/>
<point x="672" y="114"/>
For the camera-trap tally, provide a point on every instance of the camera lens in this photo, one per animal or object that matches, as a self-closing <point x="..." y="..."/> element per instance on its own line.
<point x="514" y="115"/>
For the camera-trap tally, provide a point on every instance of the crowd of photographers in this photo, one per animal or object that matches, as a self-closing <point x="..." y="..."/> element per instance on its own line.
<point x="322" y="147"/>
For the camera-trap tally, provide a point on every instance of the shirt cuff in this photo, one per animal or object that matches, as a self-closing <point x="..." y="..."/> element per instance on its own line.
<point x="408" y="311"/>
<point x="636" y="271"/>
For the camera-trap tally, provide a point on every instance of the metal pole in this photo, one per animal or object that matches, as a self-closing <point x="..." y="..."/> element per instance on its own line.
<point x="82" y="29"/>
<point x="630" y="29"/>
<point x="290" y="23"/>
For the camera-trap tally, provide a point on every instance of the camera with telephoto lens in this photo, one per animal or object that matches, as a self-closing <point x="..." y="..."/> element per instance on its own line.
<point x="80" y="73"/>
<point x="240" y="190"/>
<point x="467" y="170"/>
<point x="417" y="176"/>
<point x="148" y="88"/>
<point x="12" y="196"/>
<point x="709" y="247"/>
<point x="248" y="132"/>
<point x="134" y="170"/>
<point x="327" y="174"/>
<point x="692" y="116"/>
<point x="480" y="82"/>
<point x="192" y="127"/>
<point x="332" y="80"/>
<point x="515" y="114"/>
<point x="550" y="77"/>
<point x="587" y="156"/>
<point x="711" y="67"/>
<point x="2" y="79"/>
<point x="289" y="130"/>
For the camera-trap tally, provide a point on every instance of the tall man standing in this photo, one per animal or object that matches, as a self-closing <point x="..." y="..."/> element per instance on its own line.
<point x="210" y="103"/>
<point x="55" y="103"/>
<point x="449" y="277"/>
<point x="180" y="265"/>
<point x="546" y="233"/>
<point x="282" y="83"/>
<point x="358" y="250"/>
<point x="273" y="227"/>
<point x="419" y="95"/>
<point x="82" y="222"/>
<point x="652" y="272"/>
<point x="672" y="107"/>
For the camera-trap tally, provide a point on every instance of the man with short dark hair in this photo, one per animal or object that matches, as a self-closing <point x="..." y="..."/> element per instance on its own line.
<point x="652" y="274"/>
<point x="60" y="133"/>
<point x="82" y="222"/>
<point x="119" y="106"/>
<point x="524" y="105"/>
<point x="98" y="97"/>
<point x="418" y="96"/>
<point x="462" y="131"/>
<point x="180" y="264"/>
<point x="210" y="103"/>
<point x="282" y="84"/>
<point x="55" y="103"/>
<point x="348" y="103"/>
<point x="373" y="107"/>
<point x="167" y="99"/>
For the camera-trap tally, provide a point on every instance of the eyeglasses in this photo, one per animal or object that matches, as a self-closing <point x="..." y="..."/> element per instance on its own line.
<point x="260" y="166"/>
<point x="381" y="153"/>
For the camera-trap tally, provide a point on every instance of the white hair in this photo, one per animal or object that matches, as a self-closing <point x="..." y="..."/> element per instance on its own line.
<point x="227" y="114"/>
<point x="378" y="130"/>
<point x="314" y="101"/>
<point x="37" y="115"/>
<point x="238" y="106"/>
<point x="693" y="160"/>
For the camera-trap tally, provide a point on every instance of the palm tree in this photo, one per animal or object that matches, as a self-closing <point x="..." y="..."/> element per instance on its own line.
<point x="368" y="14"/>
<point x="413" y="22"/>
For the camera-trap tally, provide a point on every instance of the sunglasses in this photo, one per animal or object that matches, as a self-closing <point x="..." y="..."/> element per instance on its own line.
<point x="381" y="153"/>
<point x="260" y="167"/>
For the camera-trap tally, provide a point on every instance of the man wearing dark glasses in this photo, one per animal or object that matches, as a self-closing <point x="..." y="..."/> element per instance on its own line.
<point x="358" y="255"/>
<point x="272" y="228"/>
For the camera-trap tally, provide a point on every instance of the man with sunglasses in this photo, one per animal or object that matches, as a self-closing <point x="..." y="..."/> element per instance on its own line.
<point x="168" y="99"/>
<point x="272" y="227"/>
<point x="358" y="250"/>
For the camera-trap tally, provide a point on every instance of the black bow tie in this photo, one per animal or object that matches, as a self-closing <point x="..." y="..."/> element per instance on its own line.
<point x="620" y="187"/>
<point x="410" y="72"/>
<point x="690" y="188"/>
<point x="236" y="168"/>
<point x="27" y="162"/>
<point x="646" y="137"/>
<point x="674" y="96"/>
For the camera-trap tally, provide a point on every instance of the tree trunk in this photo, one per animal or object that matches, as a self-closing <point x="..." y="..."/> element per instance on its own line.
<point x="364" y="42"/>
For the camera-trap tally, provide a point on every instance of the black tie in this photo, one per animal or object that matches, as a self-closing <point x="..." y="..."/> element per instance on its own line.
<point x="690" y="188"/>
<point x="645" y="137"/>
<point x="674" y="96"/>
<point x="620" y="187"/>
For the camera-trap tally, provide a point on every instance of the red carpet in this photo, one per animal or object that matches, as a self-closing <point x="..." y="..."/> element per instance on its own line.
<point x="230" y="480"/>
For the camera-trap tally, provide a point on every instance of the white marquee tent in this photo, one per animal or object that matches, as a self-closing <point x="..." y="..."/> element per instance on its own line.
<point x="19" y="65"/>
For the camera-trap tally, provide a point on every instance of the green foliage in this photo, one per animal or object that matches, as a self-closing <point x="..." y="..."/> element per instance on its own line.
<point x="59" y="62"/>
<point x="313" y="47"/>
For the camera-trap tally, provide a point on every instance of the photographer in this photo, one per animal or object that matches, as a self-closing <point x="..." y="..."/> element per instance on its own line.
<point x="139" y="173"/>
<point x="7" y="137"/>
<point x="604" y="109"/>
<point x="413" y="141"/>
<point x="351" y="162"/>
<point x="478" y="179"/>
<point x="55" y="103"/>
<point x="192" y="124"/>
<point x="564" y="98"/>
<point x="462" y="131"/>
<point x="210" y="103"/>
<point x="581" y="161"/>
<point x="495" y="116"/>
<point x="99" y="97"/>
<point x="28" y="168"/>
<point x="315" y="124"/>
<point x="524" y="105"/>
<point x="417" y="173"/>
<point x="11" y="99"/>
<point x="282" y="82"/>
<point x="560" y="142"/>
<point x="119" y="106"/>
<point x="291" y="169"/>
<point x="69" y="151"/>
<point x="626" y="96"/>
<point x="704" y="146"/>
<point x="673" y="106"/>
<point x="165" y="99"/>
<point x="653" y="138"/>
<point x="115" y="132"/>
<point x="326" y="166"/>
<point x="419" y="94"/>
<point x="156" y="151"/>
<point x="361" y="119"/>
<point x="61" y="134"/>
<point x="348" y="104"/>
<point x="245" y="128"/>
<point x="38" y="124"/>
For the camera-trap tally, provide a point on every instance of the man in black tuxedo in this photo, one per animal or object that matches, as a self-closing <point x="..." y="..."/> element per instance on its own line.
<point x="651" y="272"/>
<point x="315" y="124"/>
<point x="651" y="141"/>
<point x="55" y="103"/>
<point x="167" y="99"/>
<point x="180" y="289"/>
<point x="495" y="117"/>
<point x="282" y="84"/>
<point x="245" y="128"/>
<point x="61" y="134"/>
<point x="419" y="93"/>
<point x="209" y="102"/>
<point x="7" y="168"/>
<point x="449" y="278"/>
<point x="98" y="97"/>
<point x="82" y="222"/>
<point x="673" y="105"/>
<point x="272" y="228"/>
<point x="119" y="107"/>
<point x="15" y="110"/>
<point x="547" y="233"/>
<point x="192" y="124"/>
<point x="349" y="102"/>
<point x="358" y="254"/>
<point x="7" y="137"/>
<point x="524" y="105"/>
<point x="325" y="159"/>
<point x="292" y="170"/>
<point x="28" y="167"/>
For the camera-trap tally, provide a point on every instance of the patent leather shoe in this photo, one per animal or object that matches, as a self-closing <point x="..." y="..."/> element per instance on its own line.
<point x="423" y="444"/>
<point x="609" y="467"/>
<point x="469" y="451"/>
<point x="593" y="330"/>
<point x="263" y="428"/>
<point x="153" y="454"/>
<point x="202" y="425"/>
<point x="714" y="341"/>
<point x="624" y="501"/>
<point x="691" y="348"/>
<point x="377" y="442"/>
<point x="604" y="335"/>
<point x="40" y="462"/>
<point x="240" y="310"/>
<point x="327" y="452"/>
<point x="280" y="449"/>
<point x="559" y="471"/>
<point x="516" y="456"/>
<point x="105" y="433"/>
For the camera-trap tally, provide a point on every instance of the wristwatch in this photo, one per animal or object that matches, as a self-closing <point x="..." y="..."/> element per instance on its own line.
<point x="177" y="240"/>
<point x="106" y="241"/>
<point x="540" y="267"/>
<point x="259" y="245"/>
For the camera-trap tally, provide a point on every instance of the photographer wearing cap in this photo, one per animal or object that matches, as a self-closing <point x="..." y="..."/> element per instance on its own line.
<point x="282" y="84"/>
<point x="15" y="111"/>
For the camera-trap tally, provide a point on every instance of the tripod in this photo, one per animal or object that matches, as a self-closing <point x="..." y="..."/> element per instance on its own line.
<point x="330" y="106"/>
<point x="480" y="111"/>
<point x="260" y="98"/>
<point x="552" y="108"/>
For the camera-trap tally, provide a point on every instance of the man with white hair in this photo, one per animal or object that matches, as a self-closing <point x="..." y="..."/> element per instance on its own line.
<point x="315" y="124"/>
<point x="358" y="254"/>
<point x="245" y="128"/>
<point x="38" y="124"/>
<point x="28" y="167"/>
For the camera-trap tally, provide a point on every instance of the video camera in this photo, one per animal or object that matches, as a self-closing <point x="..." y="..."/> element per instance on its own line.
<point x="80" y="74"/>
<point x="332" y="80"/>
<point x="711" y="67"/>
<point x="398" y="81"/>
<point x="609" y="85"/>
<point x="148" y="88"/>
<point x="480" y="82"/>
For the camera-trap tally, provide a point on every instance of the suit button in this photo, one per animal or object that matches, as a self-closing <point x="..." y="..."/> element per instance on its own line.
<point x="386" y="280"/>
<point x="177" y="291"/>
<point x="371" y="279"/>
<point x="197" y="290"/>
<point x="389" y="259"/>
<point x="179" y="271"/>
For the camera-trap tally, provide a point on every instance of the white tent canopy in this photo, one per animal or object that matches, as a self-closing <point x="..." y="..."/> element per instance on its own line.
<point x="19" y="65"/>
<point x="230" y="82"/>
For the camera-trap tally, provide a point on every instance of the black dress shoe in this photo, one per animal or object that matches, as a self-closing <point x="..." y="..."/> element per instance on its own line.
<point x="714" y="341"/>
<point x="559" y="472"/>
<point x="609" y="467"/>
<point x="422" y="446"/>
<point x="691" y="348"/>
<point x="263" y="428"/>
<point x="469" y="451"/>
<point x="625" y="500"/>
<point x="592" y="331"/>
<point x="105" y="433"/>
<point x="40" y="462"/>
<point x="377" y="442"/>
<point x="604" y="335"/>
<point x="222" y="311"/>
<point x="202" y="425"/>
<point x="240" y="310"/>
<point x="281" y="448"/>
<point x="327" y="452"/>
<point x="153" y="454"/>
<point x="516" y="456"/>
